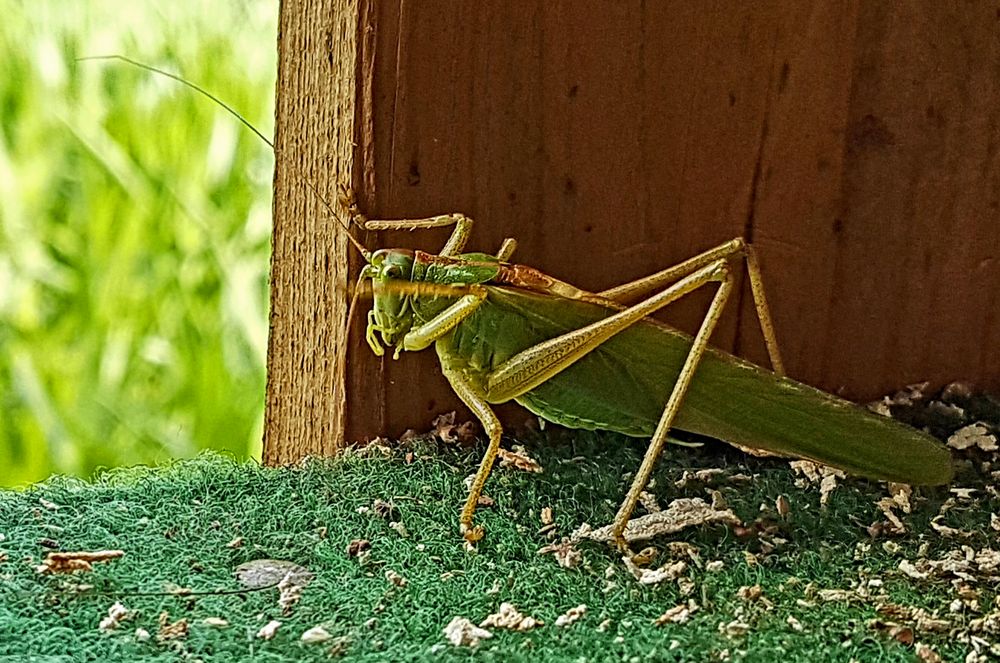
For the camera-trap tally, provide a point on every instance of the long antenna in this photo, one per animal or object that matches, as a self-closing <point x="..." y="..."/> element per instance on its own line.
<point x="365" y="253"/>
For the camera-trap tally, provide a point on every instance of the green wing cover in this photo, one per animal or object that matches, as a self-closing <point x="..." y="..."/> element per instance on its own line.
<point x="624" y="384"/>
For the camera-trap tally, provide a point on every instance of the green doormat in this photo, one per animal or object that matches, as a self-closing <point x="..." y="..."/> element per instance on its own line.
<point x="367" y="564"/>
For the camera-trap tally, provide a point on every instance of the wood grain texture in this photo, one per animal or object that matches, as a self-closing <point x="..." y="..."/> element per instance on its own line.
<point x="314" y="141"/>
<point x="855" y="143"/>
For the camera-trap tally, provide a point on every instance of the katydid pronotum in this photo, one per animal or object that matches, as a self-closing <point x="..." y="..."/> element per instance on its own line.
<point x="504" y="332"/>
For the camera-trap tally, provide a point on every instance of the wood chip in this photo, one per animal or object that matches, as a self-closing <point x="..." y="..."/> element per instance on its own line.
<point x="973" y="435"/>
<point x="171" y="630"/>
<point x="566" y="554"/>
<point x="572" y="615"/>
<point x="395" y="578"/>
<point x="117" y="613"/>
<point x="679" y="614"/>
<point x="510" y="618"/>
<point x="546" y="515"/>
<point x="519" y="459"/>
<point x="315" y="635"/>
<point x="680" y="514"/>
<point x="462" y="633"/>
<point x="68" y="562"/>
<point x="260" y="573"/>
<point x="668" y="572"/>
<point x="815" y="473"/>
<point x="268" y="630"/>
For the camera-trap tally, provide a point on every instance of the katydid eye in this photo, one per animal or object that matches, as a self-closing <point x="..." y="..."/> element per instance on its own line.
<point x="394" y="272"/>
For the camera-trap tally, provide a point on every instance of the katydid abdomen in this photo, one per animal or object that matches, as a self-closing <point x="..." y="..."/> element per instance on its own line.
<point x="622" y="386"/>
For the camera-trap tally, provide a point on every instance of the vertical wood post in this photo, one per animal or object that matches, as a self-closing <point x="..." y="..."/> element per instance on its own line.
<point x="314" y="141"/>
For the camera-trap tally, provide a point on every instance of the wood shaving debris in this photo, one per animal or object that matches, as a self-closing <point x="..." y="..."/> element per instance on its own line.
<point x="907" y="567"/>
<point x="571" y="615"/>
<point x="171" y="631"/>
<point x="117" y="613"/>
<point x="900" y="494"/>
<point x="485" y="501"/>
<point x="894" y="525"/>
<point x="679" y="614"/>
<point x="926" y="654"/>
<point x="385" y="510"/>
<point x="565" y="553"/>
<point x="268" y="630"/>
<point x="681" y="513"/>
<point x="462" y="633"/>
<point x="945" y="530"/>
<point x="395" y="578"/>
<point x="648" y="502"/>
<point x="546" y="515"/>
<point x="215" y="622"/>
<point x="750" y="593"/>
<point x="400" y="529"/>
<point x="142" y="635"/>
<point x="315" y="635"/>
<point x="667" y="572"/>
<point x="795" y="624"/>
<point x="235" y="543"/>
<point x="260" y="573"/>
<point x="698" y="475"/>
<point x="973" y="435"/>
<point x="519" y="459"/>
<point x="900" y="633"/>
<point x="715" y="566"/>
<point x="51" y="506"/>
<point x="815" y="473"/>
<point x="783" y="506"/>
<point x="447" y="431"/>
<point x="734" y="629"/>
<point x="908" y="395"/>
<point x="836" y="595"/>
<point x="68" y="562"/>
<point x="923" y="620"/>
<point x="358" y="547"/>
<point x="509" y="617"/>
<point x="290" y="591"/>
<point x="995" y="522"/>
<point x="988" y="561"/>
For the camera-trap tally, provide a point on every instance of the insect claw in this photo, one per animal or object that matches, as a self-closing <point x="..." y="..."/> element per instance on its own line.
<point x="618" y="537"/>
<point x="472" y="534"/>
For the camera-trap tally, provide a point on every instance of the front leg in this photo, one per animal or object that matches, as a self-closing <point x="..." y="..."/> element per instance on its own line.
<point x="455" y="244"/>
<point x="422" y="336"/>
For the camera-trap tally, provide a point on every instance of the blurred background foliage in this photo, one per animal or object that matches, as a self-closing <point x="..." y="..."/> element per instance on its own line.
<point x="134" y="229"/>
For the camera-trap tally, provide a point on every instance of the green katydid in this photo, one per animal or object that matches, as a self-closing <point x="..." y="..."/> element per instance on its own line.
<point x="504" y="332"/>
<point x="588" y="360"/>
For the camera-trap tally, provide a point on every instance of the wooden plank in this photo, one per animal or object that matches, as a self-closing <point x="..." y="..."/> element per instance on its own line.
<point x="854" y="142"/>
<point x="610" y="139"/>
<point x="918" y="263"/>
<point x="314" y="141"/>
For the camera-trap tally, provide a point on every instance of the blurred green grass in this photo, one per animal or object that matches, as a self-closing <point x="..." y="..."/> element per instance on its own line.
<point x="134" y="229"/>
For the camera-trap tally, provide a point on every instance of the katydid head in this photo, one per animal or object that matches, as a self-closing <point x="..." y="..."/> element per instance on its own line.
<point x="391" y="315"/>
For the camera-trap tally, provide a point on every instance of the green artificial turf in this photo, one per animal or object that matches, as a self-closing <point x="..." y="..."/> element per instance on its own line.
<point x="174" y="525"/>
